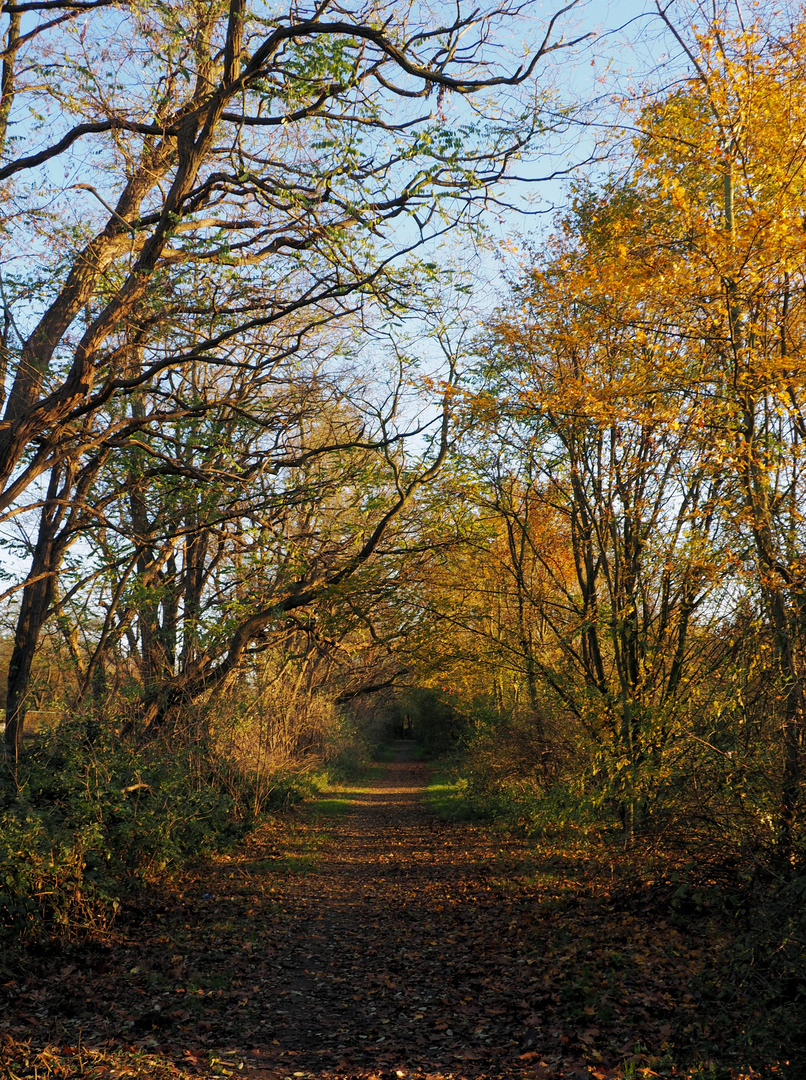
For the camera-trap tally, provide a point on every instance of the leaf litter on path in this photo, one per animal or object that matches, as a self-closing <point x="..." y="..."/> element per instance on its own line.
<point x="380" y="944"/>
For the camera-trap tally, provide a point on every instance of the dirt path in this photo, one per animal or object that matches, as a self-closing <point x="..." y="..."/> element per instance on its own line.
<point x="389" y="956"/>
<point x="381" y="942"/>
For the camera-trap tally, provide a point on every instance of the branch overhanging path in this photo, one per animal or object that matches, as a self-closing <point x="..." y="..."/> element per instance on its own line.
<point x="377" y="944"/>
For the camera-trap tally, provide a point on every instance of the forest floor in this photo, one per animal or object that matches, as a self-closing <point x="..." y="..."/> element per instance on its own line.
<point x="361" y="936"/>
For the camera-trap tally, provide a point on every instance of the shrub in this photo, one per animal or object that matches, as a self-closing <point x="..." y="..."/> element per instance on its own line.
<point x="81" y="825"/>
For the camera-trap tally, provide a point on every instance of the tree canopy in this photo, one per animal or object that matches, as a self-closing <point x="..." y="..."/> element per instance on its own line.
<point x="263" y="437"/>
<point x="228" y="203"/>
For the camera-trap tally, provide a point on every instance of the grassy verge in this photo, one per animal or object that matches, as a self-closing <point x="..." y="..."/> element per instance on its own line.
<point x="446" y="795"/>
<point x="384" y="755"/>
<point x="327" y="806"/>
<point x="22" y="1061"/>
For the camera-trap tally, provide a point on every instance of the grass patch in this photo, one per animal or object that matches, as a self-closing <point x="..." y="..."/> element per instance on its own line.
<point x="422" y="753"/>
<point x="385" y="754"/>
<point x="328" y="807"/>
<point x="338" y="779"/>
<point x="24" y="1061"/>
<point x="373" y="771"/>
<point x="445" y="796"/>
<point x="296" y="864"/>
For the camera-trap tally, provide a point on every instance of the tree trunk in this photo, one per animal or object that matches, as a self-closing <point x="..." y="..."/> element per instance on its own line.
<point x="37" y="597"/>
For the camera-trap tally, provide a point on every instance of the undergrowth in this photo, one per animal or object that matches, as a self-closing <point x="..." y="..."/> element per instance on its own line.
<point x="85" y="824"/>
<point x="754" y="996"/>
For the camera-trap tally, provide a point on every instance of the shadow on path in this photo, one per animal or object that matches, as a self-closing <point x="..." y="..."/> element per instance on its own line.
<point x="382" y="943"/>
<point x="392" y="959"/>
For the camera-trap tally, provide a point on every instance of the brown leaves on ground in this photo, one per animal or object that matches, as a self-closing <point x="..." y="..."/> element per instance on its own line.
<point x="381" y="944"/>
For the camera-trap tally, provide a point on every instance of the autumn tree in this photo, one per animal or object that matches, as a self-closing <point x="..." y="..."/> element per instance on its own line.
<point x="235" y="183"/>
<point x="728" y="155"/>
<point x="648" y="364"/>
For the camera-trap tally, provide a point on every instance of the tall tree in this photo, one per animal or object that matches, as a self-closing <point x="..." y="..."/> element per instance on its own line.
<point x="586" y="417"/>
<point x="730" y="151"/>
<point x="263" y="177"/>
<point x="654" y="356"/>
